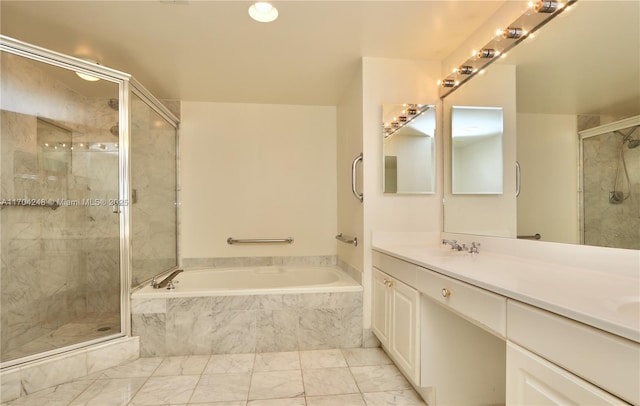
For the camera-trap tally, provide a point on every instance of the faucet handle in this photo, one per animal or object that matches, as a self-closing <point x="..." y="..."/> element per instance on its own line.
<point x="474" y="247"/>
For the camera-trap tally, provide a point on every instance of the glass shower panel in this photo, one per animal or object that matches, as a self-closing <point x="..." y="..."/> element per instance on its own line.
<point x="611" y="190"/>
<point x="153" y="189"/>
<point x="59" y="236"/>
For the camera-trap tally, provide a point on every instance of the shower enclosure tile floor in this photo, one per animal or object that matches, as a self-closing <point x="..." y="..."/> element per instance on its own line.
<point x="348" y="377"/>
<point x="87" y="328"/>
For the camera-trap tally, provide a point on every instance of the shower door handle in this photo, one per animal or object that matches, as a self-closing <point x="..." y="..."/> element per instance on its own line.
<point x="518" y="179"/>
<point x="354" y="167"/>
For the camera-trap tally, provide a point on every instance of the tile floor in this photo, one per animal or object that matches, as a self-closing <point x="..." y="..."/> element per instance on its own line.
<point x="348" y="377"/>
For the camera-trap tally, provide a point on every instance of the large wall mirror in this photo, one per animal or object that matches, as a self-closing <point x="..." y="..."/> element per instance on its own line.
<point x="409" y="148"/>
<point x="577" y="135"/>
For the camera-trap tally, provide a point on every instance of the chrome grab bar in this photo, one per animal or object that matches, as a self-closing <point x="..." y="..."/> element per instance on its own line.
<point x="232" y="241"/>
<point x="52" y="204"/>
<point x="354" y="167"/>
<point x="536" y="236"/>
<point x="348" y="240"/>
<point x="518" y="179"/>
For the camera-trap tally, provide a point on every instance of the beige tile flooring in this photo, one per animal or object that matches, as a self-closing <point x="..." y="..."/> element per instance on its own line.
<point x="347" y="377"/>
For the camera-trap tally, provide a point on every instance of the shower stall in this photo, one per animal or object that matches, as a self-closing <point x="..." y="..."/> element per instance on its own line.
<point x="88" y="200"/>
<point x="610" y="184"/>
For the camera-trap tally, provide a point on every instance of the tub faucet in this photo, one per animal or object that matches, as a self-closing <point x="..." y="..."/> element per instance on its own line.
<point x="454" y="245"/>
<point x="166" y="282"/>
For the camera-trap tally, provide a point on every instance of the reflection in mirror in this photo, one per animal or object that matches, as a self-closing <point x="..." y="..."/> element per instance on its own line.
<point x="409" y="148"/>
<point x="572" y="78"/>
<point x="476" y="156"/>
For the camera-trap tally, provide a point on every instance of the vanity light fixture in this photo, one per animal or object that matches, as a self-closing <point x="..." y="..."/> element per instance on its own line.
<point x="409" y="114"/>
<point x="547" y="7"/>
<point x="448" y="83"/>
<point x="263" y="12"/>
<point x="512" y="33"/>
<point x="488" y="53"/>
<point x="464" y="70"/>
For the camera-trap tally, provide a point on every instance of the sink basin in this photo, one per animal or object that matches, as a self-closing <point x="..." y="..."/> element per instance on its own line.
<point x="630" y="306"/>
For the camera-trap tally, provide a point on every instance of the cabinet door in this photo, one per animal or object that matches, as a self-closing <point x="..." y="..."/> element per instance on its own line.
<point x="532" y="380"/>
<point x="404" y="330"/>
<point x="380" y="306"/>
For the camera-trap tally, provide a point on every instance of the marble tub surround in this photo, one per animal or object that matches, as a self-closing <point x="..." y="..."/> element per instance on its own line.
<point x="593" y="285"/>
<point x="247" y="323"/>
<point x="69" y="370"/>
<point x="353" y="377"/>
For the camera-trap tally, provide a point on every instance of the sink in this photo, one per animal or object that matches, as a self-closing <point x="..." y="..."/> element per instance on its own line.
<point x="630" y="306"/>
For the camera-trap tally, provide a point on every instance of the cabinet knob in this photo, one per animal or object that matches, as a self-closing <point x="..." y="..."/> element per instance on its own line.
<point x="387" y="283"/>
<point x="445" y="292"/>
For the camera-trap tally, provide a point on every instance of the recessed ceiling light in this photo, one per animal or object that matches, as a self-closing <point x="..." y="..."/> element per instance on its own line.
<point x="263" y="12"/>
<point x="86" y="76"/>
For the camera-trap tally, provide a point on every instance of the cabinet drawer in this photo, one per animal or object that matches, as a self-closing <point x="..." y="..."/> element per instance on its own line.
<point x="532" y="380"/>
<point x="486" y="309"/>
<point x="399" y="269"/>
<point x="606" y="360"/>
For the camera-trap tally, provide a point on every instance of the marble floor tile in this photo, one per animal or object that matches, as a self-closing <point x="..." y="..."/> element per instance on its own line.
<point x="279" y="402"/>
<point x="328" y="381"/>
<point x="358" y="357"/>
<point x="230" y="363"/>
<point x="276" y="384"/>
<point x="142" y="367"/>
<point x="166" y="390"/>
<point x="277" y="361"/>
<point x="60" y="395"/>
<point x="404" y="398"/>
<point x="109" y="392"/>
<point x="322" y="359"/>
<point x="228" y="403"/>
<point x="353" y="399"/>
<point x="379" y="378"/>
<point x="184" y="365"/>
<point x="221" y="387"/>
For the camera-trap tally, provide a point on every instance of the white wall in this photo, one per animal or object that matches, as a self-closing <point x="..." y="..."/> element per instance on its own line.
<point x="258" y="171"/>
<point x="476" y="164"/>
<point x="349" y="146"/>
<point x="548" y="201"/>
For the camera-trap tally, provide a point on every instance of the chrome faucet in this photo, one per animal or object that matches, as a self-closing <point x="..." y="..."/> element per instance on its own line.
<point x="454" y="245"/>
<point x="474" y="247"/>
<point x="166" y="282"/>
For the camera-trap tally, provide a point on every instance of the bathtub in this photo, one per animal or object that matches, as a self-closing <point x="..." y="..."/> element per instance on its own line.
<point x="251" y="309"/>
<point x="254" y="280"/>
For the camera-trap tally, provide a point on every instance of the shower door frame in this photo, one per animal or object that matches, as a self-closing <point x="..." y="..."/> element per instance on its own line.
<point x="126" y="85"/>
<point x="594" y="132"/>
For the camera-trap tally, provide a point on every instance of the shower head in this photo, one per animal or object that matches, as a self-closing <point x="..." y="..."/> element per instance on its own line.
<point x="626" y="138"/>
<point x="114" y="103"/>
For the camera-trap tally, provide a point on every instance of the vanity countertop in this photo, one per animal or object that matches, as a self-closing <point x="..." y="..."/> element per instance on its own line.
<point x="605" y="300"/>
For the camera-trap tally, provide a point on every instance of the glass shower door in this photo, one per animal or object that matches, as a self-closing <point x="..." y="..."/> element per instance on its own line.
<point x="59" y="216"/>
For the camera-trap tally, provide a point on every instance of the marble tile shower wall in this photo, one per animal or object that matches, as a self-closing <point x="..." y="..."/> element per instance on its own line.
<point x="56" y="264"/>
<point x="244" y="324"/>
<point x="606" y="224"/>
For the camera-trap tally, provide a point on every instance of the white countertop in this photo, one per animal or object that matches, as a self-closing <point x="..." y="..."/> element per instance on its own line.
<point x="609" y="301"/>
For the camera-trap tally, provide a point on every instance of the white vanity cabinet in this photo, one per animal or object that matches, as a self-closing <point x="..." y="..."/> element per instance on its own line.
<point x="395" y="321"/>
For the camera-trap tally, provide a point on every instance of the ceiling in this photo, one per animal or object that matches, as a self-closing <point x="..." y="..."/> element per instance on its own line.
<point x="213" y="51"/>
